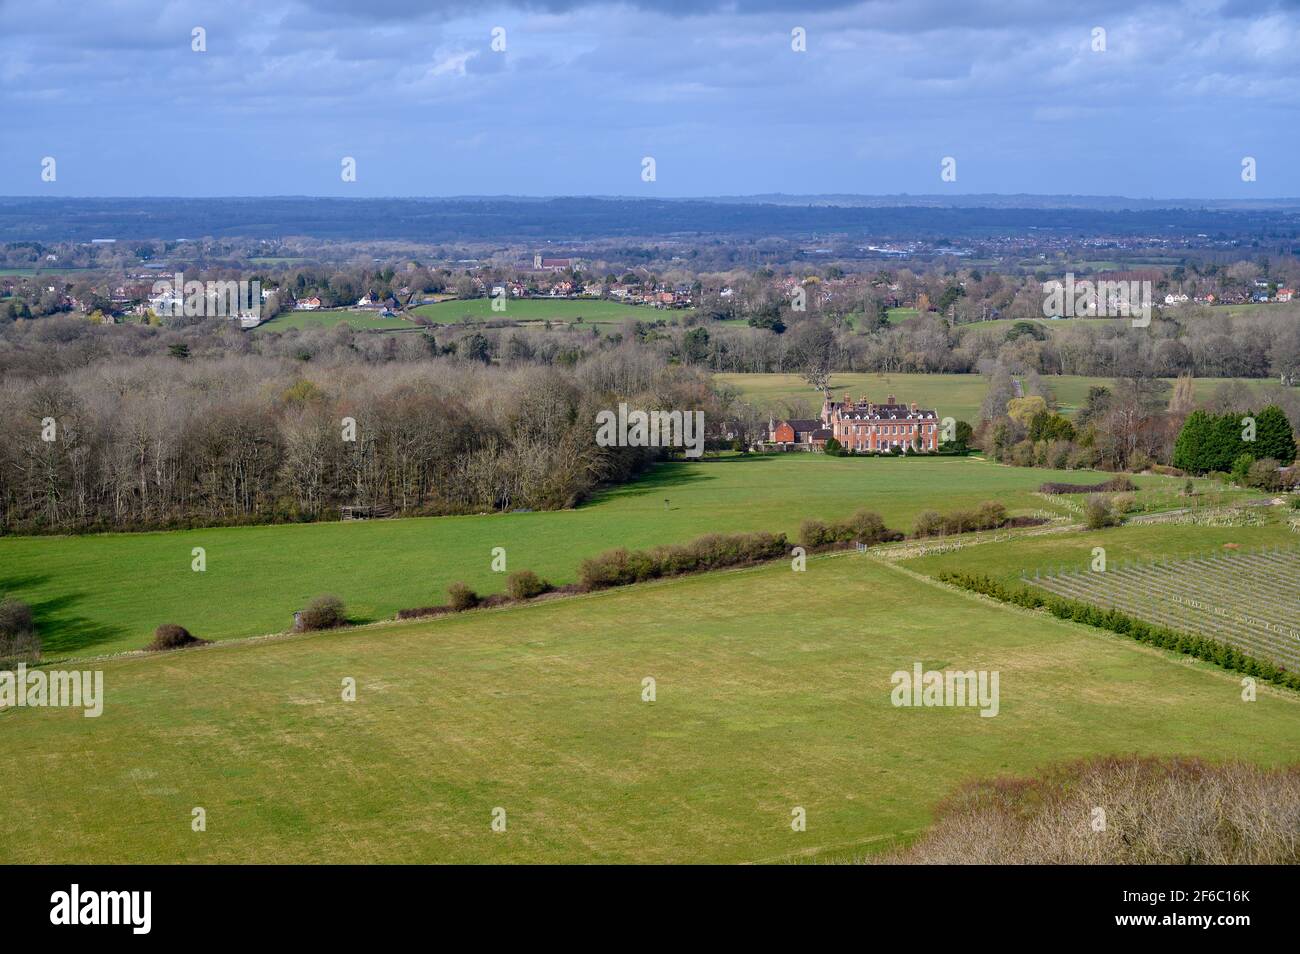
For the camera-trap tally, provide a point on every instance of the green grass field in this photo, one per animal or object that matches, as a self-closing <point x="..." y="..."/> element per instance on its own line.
<point x="772" y="692"/>
<point x="956" y="395"/>
<point x="257" y="576"/>
<point x="591" y="310"/>
<point x="51" y="272"/>
<point x="332" y="318"/>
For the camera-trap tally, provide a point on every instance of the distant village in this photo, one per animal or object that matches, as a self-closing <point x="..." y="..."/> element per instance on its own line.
<point x="113" y="284"/>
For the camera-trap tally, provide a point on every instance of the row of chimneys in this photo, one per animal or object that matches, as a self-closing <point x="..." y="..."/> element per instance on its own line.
<point x="848" y="401"/>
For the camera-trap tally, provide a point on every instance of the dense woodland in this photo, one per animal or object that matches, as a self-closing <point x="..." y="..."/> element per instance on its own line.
<point x="159" y="440"/>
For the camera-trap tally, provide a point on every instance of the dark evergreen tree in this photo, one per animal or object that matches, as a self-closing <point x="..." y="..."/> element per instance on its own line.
<point x="1191" y="449"/>
<point x="1273" y="437"/>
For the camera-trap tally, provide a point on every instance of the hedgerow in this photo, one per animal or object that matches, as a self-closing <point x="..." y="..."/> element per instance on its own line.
<point x="1115" y="484"/>
<point x="989" y="516"/>
<point x="715" y="551"/>
<point x="172" y="636"/>
<point x="863" y="527"/>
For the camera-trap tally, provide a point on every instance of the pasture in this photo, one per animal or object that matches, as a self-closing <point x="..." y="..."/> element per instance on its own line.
<point x="332" y="318"/>
<point x="593" y="311"/>
<point x="772" y="692"/>
<point x="105" y="593"/>
<point x="955" y="395"/>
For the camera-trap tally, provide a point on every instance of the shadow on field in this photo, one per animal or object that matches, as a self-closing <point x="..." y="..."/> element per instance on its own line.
<point x="671" y="474"/>
<point x="62" y="634"/>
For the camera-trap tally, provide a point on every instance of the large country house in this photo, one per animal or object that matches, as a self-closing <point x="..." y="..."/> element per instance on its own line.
<point x="862" y="426"/>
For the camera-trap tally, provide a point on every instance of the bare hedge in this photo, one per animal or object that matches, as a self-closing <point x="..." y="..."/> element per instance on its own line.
<point x="1158" y="811"/>
<point x="323" y="612"/>
<point x="171" y="636"/>
<point x="714" y="551"/>
<point x="990" y="515"/>
<point x="863" y="527"/>
<point x="461" y="597"/>
<point x="1114" y="485"/>
<point x="525" y="584"/>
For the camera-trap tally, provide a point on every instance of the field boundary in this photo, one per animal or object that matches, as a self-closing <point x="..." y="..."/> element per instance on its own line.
<point x="288" y="635"/>
<point x="1169" y="655"/>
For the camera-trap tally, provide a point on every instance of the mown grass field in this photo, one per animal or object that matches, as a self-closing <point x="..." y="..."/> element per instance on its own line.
<point x="105" y="593"/>
<point x="772" y="691"/>
<point x="590" y="310"/>
<point x="956" y="395"/>
<point x="332" y="318"/>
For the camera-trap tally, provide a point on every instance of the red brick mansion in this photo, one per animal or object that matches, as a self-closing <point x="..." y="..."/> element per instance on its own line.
<point x="861" y="426"/>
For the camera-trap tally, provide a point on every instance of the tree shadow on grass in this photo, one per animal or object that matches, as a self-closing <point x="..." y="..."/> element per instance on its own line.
<point x="62" y="632"/>
<point x="672" y="474"/>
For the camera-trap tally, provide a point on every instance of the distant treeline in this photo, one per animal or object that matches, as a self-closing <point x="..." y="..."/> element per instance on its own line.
<point x="502" y="218"/>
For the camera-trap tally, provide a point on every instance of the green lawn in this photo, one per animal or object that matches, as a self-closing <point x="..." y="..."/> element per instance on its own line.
<point x="955" y="395"/>
<point x="106" y="593"/>
<point x="332" y="317"/>
<point x="773" y="692"/>
<point x="590" y="310"/>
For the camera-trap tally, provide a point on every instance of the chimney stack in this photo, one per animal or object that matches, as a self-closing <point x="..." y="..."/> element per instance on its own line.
<point x="891" y="400"/>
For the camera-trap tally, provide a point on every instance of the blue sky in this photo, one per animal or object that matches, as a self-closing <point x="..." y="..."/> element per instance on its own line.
<point x="713" y="91"/>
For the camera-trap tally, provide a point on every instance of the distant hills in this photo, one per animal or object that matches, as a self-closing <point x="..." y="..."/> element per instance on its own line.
<point x="990" y="200"/>
<point x="517" y="218"/>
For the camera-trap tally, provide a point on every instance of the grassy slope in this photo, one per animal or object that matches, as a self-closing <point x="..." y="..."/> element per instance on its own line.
<point x="106" y="593"/>
<point x="956" y="395"/>
<point x="770" y="696"/>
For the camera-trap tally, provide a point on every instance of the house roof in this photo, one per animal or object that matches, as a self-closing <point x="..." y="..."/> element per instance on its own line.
<point x="885" y="412"/>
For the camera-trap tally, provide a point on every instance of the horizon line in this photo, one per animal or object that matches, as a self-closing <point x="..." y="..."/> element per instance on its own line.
<point x="756" y="197"/>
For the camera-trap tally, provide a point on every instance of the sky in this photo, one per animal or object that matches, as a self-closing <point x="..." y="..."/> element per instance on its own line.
<point x="1024" y="95"/>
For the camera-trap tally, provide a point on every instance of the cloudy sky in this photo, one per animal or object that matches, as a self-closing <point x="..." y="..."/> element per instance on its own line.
<point x="1013" y="90"/>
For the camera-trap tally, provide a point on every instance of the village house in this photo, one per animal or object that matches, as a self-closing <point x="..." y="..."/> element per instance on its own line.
<point x="306" y="304"/>
<point x="553" y="264"/>
<point x="862" y="426"/>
